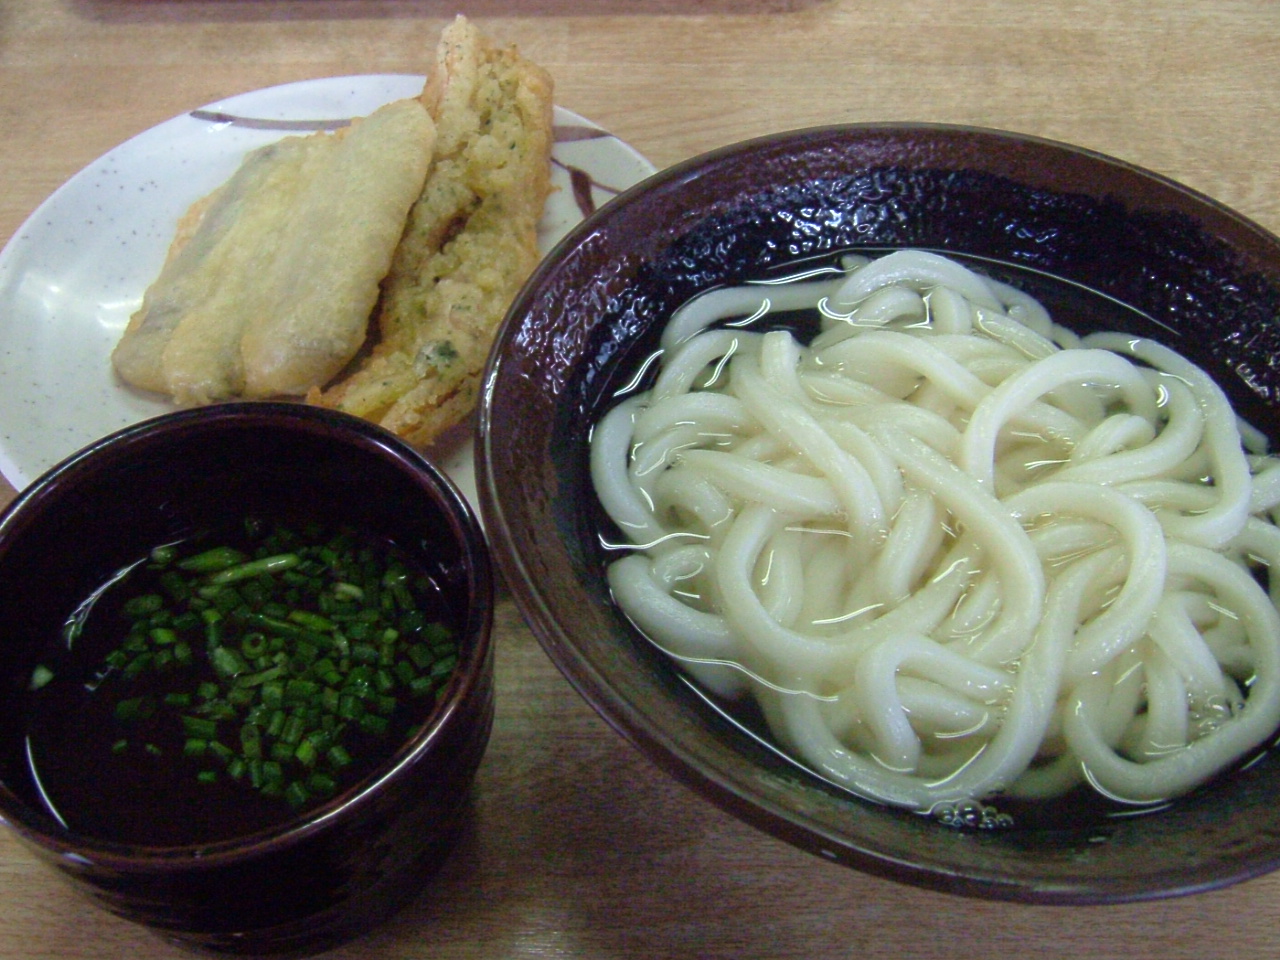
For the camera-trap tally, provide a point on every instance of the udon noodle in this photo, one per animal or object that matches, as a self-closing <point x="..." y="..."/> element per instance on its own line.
<point x="954" y="550"/>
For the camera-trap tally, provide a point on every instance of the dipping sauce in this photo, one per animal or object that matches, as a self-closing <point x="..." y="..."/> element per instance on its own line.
<point x="220" y="685"/>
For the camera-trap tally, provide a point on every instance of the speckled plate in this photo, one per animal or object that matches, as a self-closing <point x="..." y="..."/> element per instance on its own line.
<point x="76" y="270"/>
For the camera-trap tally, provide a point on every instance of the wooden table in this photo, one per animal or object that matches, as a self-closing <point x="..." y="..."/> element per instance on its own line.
<point x="625" y="862"/>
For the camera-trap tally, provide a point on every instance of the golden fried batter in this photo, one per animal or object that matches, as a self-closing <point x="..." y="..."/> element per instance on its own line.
<point x="470" y="242"/>
<point x="270" y="281"/>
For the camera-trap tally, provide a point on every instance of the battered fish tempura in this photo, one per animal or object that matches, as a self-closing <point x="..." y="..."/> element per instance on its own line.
<point x="470" y="242"/>
<point x="270" y="281"/>
<point x="422" y="217"/>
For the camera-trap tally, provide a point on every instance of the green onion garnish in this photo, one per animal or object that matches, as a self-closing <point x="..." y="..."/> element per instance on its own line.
<point x="305" y="650"/>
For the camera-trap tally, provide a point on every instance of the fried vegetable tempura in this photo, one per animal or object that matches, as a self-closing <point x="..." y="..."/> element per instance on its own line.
<point x="470" y="242"/>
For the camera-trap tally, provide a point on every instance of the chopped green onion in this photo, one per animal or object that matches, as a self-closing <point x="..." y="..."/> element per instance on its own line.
<point x="199" y="727"/>
<point x="227" y="662"/>
<point x="306" y="753"/>
<point x="311" y="621"/>
<point x="296" y="794"/>
<point x="347" y="591"/>
<point x="136" y="708"/>
<point x="254" y="644"/>
<point x="251" y="741"/>
<point x="322" y="784"/>
<point x="144" y="605"/>
<point x="163" y="635"/>
<point x="338" y="756"/>
<point x="218" y="558"/>
<point x="253" y="568"/>
<point x="295" y="642"/>
<point x="164" y="553"/>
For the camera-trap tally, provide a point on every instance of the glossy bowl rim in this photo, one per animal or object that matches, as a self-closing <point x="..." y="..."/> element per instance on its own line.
<point x="363" y="436"/>
<point x="918" y="867"/>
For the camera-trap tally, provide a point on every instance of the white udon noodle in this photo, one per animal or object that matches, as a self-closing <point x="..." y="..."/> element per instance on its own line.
<point x="955" y="551"/>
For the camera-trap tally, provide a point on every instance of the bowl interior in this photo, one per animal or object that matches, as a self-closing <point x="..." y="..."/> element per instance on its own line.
<point x="160" y="481"/>
<point x="1102" y="243"/>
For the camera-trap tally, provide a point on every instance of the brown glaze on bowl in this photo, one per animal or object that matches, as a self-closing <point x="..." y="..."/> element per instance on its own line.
<point x="330" y="873"/>
<point x="1178" y="267"/>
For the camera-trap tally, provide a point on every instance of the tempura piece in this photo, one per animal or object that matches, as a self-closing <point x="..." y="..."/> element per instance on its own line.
<point x="471" y="240"/>
<point x="269" y="284"/>
<point x="326" y="273"/>
<point x="217" y="247"/>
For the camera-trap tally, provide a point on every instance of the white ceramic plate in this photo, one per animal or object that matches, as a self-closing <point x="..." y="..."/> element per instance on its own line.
<point x="76" y="270"/>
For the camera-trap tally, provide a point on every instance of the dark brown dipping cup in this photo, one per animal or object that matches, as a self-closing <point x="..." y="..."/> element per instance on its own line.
<point x="329" y="873"/>
<point x="1093" y="236"/>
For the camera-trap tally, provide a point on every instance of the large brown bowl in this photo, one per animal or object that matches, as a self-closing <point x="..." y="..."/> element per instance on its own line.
<point x="1139" y="249"/>
<point x="324" y="875"/>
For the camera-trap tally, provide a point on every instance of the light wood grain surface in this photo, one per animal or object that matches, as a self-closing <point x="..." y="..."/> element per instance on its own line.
<point x="580" y="847"/>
